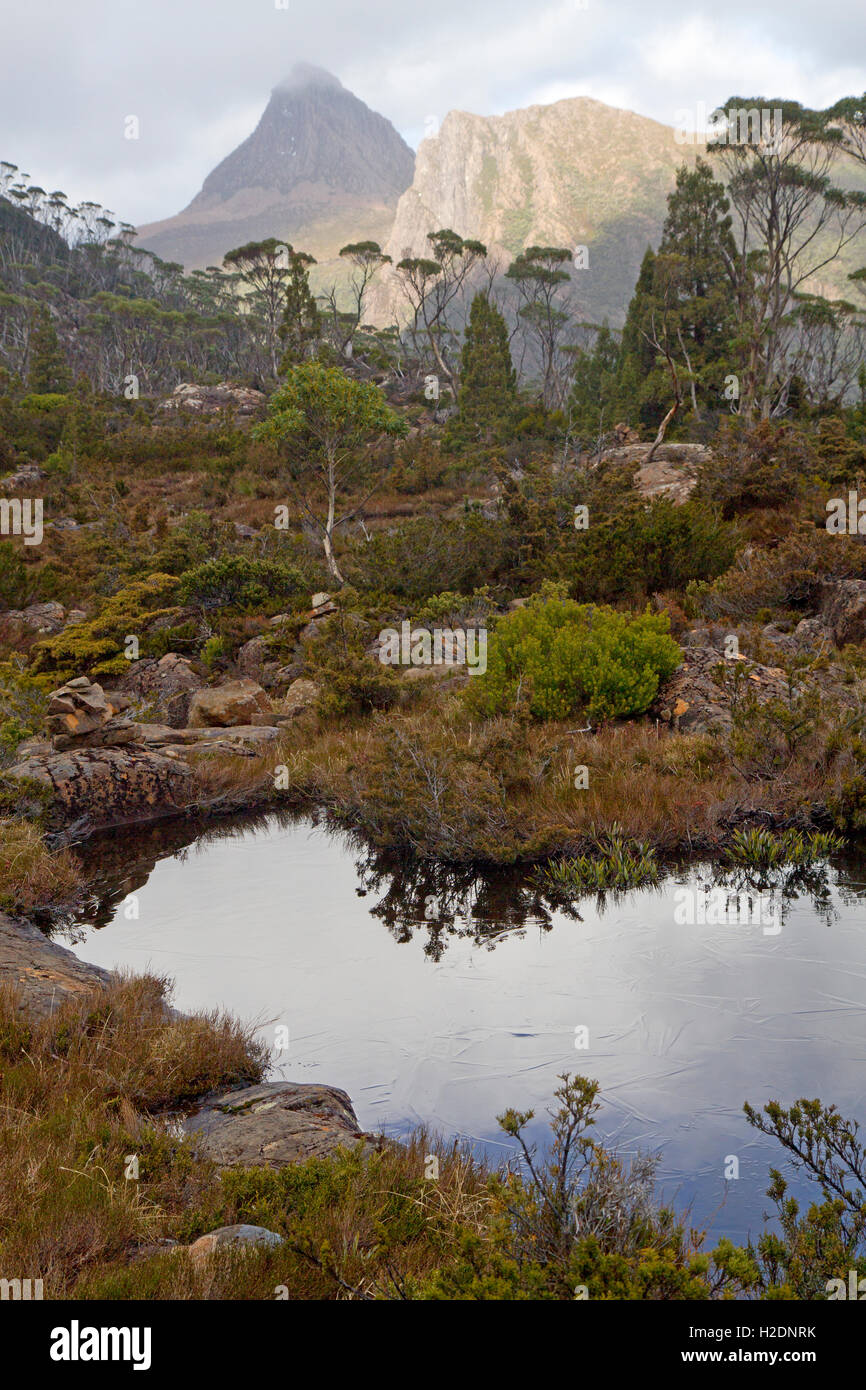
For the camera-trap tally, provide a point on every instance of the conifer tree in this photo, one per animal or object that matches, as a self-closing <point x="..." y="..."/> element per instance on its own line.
<point x="641" y="387"/>
<point x="488" y="382"/>
<point x="693" y="280"/>
<point x="49" y="370"/>
<point x="301" y="325"/>
<point x="595" y="395"/>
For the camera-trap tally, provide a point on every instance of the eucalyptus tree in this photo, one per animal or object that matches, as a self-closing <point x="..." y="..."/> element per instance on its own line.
<point x="262" y="270"/>
<point x="434" y="286"/>
<point x="791" y="221"/>
<point x="322" y="422"/>
<point x="544" y="310"/>
<point x="366" y="259"/>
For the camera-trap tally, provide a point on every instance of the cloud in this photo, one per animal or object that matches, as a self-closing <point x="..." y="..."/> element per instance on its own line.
<point x="198" y="73"/>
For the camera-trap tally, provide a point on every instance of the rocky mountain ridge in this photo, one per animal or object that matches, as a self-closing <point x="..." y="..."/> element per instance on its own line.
<point x="320" y="169"/>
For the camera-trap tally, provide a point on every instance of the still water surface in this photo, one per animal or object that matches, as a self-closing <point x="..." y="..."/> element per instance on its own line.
<point x="444" y="1001"/>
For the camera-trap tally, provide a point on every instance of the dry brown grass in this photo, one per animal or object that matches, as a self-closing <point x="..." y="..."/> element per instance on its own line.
<point x="83" y="1089"/>
<point x="33" y="877"/>
<point x="432" y="782"/>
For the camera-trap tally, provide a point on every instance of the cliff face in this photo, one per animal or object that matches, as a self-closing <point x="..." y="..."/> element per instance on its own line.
<point x="576" y="173"/>
<point x="320" y="169"/>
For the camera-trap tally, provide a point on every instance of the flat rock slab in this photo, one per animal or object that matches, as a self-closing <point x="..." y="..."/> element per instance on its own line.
<point x="46" y="974"/>
<point x="276" y="1123"/>
<point x="109" y="786"/>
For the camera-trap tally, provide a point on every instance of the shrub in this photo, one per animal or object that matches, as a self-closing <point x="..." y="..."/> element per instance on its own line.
<point x="426" y="556"/>
<point x="765" y="849"/>
<point x="352" y="682"/>
<point x="785" y="577"/>
<point x="32" y="876"/>
<point x="13" y="576"/>
<point x="96" y="647"/>
<point x="23" y="701"/>
<point x="556" y="658"/>
<point x="755" y="466"/>
<point x="614" y="862"/>
<point x="236" y="581"/>
<point x="642" y="550"/>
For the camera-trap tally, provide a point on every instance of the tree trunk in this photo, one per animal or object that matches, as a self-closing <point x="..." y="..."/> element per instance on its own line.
<point x="328" y="537"/>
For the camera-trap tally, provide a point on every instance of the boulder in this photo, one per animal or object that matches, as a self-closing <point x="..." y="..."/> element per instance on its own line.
<point x="235" y="702"/>
<point x="281" y="679"/>
<point x="275" y="1123"/>
<point x="811" y="634"/>
<point x="231" y="1237"/>
<point x="25" y="477"/>
<point x="246" y="739"/>
<point x="46" y="974"/>
<point x="301" y="695"/>
<point x="104" y="787"/>
<point x="166" y="686"/>
<point x="842" y="610"/>
<point x="254" y="656"/>
<point x="322" y="604"/>
<point x="673" y="472"/>
<point x="698" y="697"/>
<point x="39" y="619"/>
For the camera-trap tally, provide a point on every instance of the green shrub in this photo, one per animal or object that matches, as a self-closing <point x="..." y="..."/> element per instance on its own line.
<point x="236" y="581"/>
<point x="614" y="862"/>
<point x="96" y="647"/>
<point x="556" y="658"/>
<point x="423" y="557"/>
<point x="765" y="849"/>
<point x="351" y="681"/>
<point x="642" y="550"/>
<point x="213" y="650"/>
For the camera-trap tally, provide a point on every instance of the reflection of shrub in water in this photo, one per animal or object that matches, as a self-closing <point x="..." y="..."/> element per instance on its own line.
<point x="450" y="902"/>
<point x="783" y="882"/>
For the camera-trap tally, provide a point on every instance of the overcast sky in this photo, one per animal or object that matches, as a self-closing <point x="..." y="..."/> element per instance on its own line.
<point x="197" y="73"/>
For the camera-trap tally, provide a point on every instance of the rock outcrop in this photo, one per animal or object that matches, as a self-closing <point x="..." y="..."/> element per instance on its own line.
<point x="37" y="620"/>
<point x="276" y="1123"/>
<point x="576" y="172"/>
<point x="235" y="702"/>
<point x="698" y="698"/>
<point x="191" y="398"/>
<point x="165" y="686"/>
<point x="843" y="610"/>
<point x="105" y="787"/>
<point x="46" y="974"/>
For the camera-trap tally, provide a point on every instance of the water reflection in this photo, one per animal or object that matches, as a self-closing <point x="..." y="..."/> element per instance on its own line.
<point x="444" y="997"/>
<point x="441" y="902"/>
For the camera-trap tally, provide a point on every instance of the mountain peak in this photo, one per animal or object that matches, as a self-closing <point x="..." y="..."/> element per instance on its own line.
<point x="320" y="170"/>
<point x="306" y="75"/>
